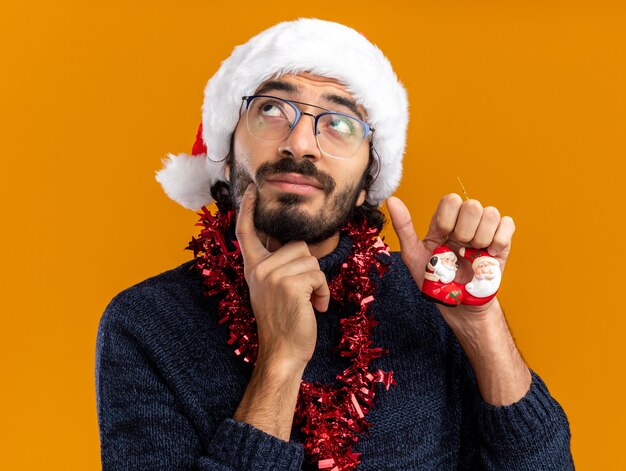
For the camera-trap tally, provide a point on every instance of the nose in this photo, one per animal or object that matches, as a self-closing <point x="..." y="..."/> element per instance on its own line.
<point x="301" y="142"/>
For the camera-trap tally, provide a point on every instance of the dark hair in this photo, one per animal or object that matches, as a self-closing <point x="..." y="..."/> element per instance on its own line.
<point x="220" y="191"/>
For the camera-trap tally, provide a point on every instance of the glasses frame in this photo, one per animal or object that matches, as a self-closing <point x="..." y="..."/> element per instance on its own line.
<point x="368" y="130"/>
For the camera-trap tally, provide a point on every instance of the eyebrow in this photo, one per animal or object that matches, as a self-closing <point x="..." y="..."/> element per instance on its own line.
<point x="274" y="85"/>
<point x="343" y="101"/>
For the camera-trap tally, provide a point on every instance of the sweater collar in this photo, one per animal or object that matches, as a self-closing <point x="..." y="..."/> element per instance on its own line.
<point x="331" y="264"/>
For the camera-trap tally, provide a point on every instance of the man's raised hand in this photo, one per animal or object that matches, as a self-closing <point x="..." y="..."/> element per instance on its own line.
<point x="285" y="286"/>
<point x="463" y="223"/>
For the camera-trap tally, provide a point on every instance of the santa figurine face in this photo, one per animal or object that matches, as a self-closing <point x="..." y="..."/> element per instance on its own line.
<point x="449" y="259"/>
<point x="446" y="266"/>
<point x="485" y="267"/>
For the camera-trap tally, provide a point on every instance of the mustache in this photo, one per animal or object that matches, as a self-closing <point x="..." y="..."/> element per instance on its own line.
<point x="302" y="167"/>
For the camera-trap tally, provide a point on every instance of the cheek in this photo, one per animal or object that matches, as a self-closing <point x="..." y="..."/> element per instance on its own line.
<point x="351" y="175"/>
<point x="243" y="146"/>
<point x="243" y="162"/>
<point x="251" y="153"/>
<point x="245" y="167"/>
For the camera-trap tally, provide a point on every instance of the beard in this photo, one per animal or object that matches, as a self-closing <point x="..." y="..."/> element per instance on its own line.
<point x="286" y="221"/>
<point x="446" y="273"/>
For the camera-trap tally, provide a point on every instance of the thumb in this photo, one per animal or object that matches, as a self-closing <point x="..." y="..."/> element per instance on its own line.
<point x="410" y="244"/>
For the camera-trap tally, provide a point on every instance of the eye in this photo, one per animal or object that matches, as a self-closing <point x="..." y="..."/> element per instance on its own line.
<point x="340" y="126"/>
<point x="270" y="109"/>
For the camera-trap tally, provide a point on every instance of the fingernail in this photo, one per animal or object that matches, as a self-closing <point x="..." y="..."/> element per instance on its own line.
<point x="491" y="251"/>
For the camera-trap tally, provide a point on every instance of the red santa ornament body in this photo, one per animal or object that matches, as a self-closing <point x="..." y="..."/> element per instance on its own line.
<point x="439" y="284"/>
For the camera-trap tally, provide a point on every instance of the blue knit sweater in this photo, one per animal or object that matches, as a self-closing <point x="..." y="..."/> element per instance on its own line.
<point x="168" y="385"/>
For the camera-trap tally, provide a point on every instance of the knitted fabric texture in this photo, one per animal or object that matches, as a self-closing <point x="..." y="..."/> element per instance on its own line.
<point x="168" y="384"/>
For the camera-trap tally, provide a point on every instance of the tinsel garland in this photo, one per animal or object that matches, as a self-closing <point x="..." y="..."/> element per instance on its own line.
<point x="331" y="417"/>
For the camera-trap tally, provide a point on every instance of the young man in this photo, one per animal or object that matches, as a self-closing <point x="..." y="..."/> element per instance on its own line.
<point x="291" y="276"/>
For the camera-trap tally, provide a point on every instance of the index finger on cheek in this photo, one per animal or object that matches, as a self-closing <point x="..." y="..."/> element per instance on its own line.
<point x="251" y="247"/>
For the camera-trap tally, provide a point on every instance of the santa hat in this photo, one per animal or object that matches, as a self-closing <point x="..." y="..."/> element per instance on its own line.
<point x="476" y="256"/>
<point x="441" y="249"/>
<point x="305" y="45"/>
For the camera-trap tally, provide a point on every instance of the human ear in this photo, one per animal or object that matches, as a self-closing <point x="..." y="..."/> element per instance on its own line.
<point x="361" y="198"/>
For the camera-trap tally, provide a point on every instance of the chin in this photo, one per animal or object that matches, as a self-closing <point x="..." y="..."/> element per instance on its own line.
<point x="290" y="199"/>
<point x="285" y="201"/>
<point x="290" y="221"/>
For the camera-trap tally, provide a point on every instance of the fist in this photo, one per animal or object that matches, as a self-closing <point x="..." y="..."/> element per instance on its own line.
<point x="460" y="224"/>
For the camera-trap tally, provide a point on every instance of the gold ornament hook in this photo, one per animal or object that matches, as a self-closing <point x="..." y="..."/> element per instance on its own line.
<point x="463" y="188"/>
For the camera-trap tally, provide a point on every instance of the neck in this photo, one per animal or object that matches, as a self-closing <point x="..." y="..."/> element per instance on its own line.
<point x="317" y="250"/>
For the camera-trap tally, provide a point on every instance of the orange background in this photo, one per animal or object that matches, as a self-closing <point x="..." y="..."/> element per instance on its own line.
<point x="526" y="103"/>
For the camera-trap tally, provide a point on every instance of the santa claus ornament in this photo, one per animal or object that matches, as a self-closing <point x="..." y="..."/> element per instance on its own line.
<point x="439" y="285"/>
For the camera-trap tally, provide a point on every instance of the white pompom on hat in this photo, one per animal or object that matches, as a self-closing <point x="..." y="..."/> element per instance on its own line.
<point x="305" y="45"/>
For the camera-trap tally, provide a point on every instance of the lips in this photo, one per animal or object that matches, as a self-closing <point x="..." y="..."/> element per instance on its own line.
<point x="295" y="179"/>
<point x="289" y="175"/>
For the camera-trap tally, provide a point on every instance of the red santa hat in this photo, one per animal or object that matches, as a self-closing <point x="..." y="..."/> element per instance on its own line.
<point x="309" y="45"/>
<point x="442" y="249"/>
<point x="476" y="256"/>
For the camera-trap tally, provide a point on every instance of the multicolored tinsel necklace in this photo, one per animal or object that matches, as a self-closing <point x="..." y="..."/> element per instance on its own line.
<point x="330" y="416"/>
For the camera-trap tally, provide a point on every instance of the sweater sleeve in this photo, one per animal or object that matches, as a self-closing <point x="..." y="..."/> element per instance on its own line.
<point x="142" y="424"/>
<point x="531" y="434"/>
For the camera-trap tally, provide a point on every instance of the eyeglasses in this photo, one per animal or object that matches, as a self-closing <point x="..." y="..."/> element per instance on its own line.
<point x="338" y="135"/>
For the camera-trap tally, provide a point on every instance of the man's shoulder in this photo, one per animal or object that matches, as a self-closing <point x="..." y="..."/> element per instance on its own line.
<point x="161" y="320"/>
<point x="162" y="292"/>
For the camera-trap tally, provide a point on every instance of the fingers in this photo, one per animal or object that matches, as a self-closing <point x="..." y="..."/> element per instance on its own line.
<point x="292" y="268"/>
<point x="403" y="226"/>
<point x="251" y="247"/>
<point x="468" y="223"/>
<point x="320" y="298"/>
<point x="486" y="228"/>
<point x="503" y="237"/>
<point x="301" y="272"/>
<point x="285" y="255"/>
<point x="470" y="214"/>
<point x="444" y="220"/>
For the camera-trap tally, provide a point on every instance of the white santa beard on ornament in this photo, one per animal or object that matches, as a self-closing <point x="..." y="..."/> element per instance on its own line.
<point x="445" y="274"/>
<point x="481" y="288"/>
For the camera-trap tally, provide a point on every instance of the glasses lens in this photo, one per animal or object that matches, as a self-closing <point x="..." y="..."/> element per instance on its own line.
<point x="269" y="118"/>
<point x="340" y="135"/>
